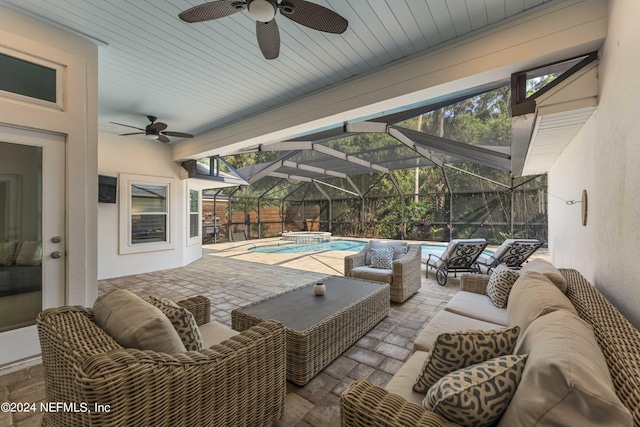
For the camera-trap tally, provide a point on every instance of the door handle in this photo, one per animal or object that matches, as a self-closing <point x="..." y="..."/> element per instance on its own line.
<point x="56" y="254"/>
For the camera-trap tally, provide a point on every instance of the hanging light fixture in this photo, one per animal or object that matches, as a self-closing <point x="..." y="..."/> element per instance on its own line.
<point x="262" y="10"/>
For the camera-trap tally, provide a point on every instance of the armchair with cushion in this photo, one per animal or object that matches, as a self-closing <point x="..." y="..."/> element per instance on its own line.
<point x="403" y="274"/>
<point x="239" y="381"/>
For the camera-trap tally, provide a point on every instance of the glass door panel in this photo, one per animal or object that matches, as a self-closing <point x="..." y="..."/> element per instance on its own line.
<point x="32" y="247"/>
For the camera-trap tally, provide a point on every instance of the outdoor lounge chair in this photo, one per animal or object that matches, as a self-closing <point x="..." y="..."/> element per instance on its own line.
<point x="459" y="256"/>
<point x="512" y="252"/>
<point x="404" y="275"/>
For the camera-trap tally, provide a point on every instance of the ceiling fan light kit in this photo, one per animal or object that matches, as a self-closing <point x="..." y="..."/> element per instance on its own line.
<point x="262" y="10"/>
<point x="305" y="13"/>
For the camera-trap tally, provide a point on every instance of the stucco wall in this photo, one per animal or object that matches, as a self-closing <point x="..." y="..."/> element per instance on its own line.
<point x="604" y="159"/>
<point x="119" y="155"/>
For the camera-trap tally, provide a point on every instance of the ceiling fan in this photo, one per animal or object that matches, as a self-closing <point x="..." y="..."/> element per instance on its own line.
<point x="263" y="12"/>
<point x="155" y="129"/>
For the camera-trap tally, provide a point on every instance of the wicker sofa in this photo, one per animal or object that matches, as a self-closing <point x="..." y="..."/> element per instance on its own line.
<point x="239" y="382"/>
<point x="364" y="404"/>
<point x="403" y="277"/>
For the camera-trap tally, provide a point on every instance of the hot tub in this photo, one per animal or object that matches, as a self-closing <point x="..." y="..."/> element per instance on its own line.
<point x="307" y="237"/>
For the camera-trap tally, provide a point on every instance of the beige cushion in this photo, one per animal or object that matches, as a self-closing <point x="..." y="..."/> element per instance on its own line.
<point x="183" y="322"/>
<point x="500" y="283"/>
<point x="533" y="295"/>
<point x="399" y="249"/>
<point x="546" y="268"/>
<point x="566" y="381"/>
<point x="29" y="253"/>
<point x="215" y="332"/>
<point x="457" y="350"/>
<point x="374" y="274"/>
<point x="478" y="395"/>
<point x="402" y="382"/>
<point x="7" y="250"/>
<point x="445" y="321"/>
<point x="134" y="323"/>
<point x="477" y="306"/>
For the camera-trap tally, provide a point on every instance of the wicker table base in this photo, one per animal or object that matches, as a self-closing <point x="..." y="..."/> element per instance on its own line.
<point x="319" y="328"/>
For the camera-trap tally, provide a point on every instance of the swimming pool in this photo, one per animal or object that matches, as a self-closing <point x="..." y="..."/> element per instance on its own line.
<point x="335" y="245"/>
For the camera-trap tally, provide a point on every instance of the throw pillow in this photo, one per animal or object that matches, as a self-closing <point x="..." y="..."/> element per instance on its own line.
<point x="7" y="250"/>
<point x="533" y="295"/>
<point x="134" y="323"/>
<point x="566" y="381"/>
<point x="478" y="395"/>
<point x="545" y="267"/>
<point x="29" y="253"/>
<point x="400" y="249"/>
<point x="382" y="258"/>
<point x="500" y="283"/>
<point x="457" y="350"/>
<point x="183" y="322"/>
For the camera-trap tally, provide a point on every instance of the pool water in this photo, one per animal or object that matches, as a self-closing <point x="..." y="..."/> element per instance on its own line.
<point x="335" y="245"/>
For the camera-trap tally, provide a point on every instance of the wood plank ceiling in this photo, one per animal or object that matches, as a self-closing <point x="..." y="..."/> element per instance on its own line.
<point x="199" y="77"/>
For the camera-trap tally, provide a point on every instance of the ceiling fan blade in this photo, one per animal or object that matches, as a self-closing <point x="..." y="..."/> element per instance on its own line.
<point x="178" y="134"/>
<point x="134" y="133"/>
<point x="120" y="124"/>
<point x="313" y="16"/>
<point x="158" y="126"/>
<point x="213" y="10"/>
<point x="164" y="139"/>
<point x="268" y="36"/>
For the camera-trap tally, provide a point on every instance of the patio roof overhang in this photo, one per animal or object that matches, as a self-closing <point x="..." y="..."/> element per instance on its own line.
<point x="573" y="94"/>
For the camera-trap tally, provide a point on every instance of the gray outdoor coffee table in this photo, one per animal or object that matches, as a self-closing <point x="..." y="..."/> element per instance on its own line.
<point x="319" y="328"/>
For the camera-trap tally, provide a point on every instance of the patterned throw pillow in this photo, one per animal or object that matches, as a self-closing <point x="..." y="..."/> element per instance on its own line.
<point x="183" y="322"/>
<point x="457" y="350"/>
<point x="500" y="284"/>
<point x="382" y="258"/>
<point x="477" y="395"/>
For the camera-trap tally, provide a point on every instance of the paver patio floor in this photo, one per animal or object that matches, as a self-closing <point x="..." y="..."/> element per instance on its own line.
<point x="233" y="277"/>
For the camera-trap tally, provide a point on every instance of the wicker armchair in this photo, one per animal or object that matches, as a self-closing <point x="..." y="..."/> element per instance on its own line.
<point x="238" y="382"/>
<point x="404" y="278"/>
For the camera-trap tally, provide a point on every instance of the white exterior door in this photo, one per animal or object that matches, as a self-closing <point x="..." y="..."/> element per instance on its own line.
<point x="32" y="236"/>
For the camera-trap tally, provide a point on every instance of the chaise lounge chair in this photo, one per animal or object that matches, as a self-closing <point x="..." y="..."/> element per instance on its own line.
<point x="512" y="252"/>
<point x="459" y="256"/>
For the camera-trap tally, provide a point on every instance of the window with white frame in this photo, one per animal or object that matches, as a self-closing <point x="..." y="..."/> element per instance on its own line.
<point x="193" y="214"/>
<point x="146" y="214"/>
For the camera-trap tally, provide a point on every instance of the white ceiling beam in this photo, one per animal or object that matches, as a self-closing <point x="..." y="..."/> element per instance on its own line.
<point x="366" y="127"/>
<point x="290" y="177"/>
<point x="302" y="166"/>
<point x="568" y="29"/>
<point x="351" y="159"/>
<point x="409" y="143"/>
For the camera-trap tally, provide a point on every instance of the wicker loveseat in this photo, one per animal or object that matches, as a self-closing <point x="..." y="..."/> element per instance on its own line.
<point x="238" y="382"/>
<point x="364" y="404"/>
<point x="403" y="277"/>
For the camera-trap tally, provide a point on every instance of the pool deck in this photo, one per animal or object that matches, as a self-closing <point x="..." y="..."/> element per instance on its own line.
<point x="327" y="262"/>
<point x="231" y="276"/>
